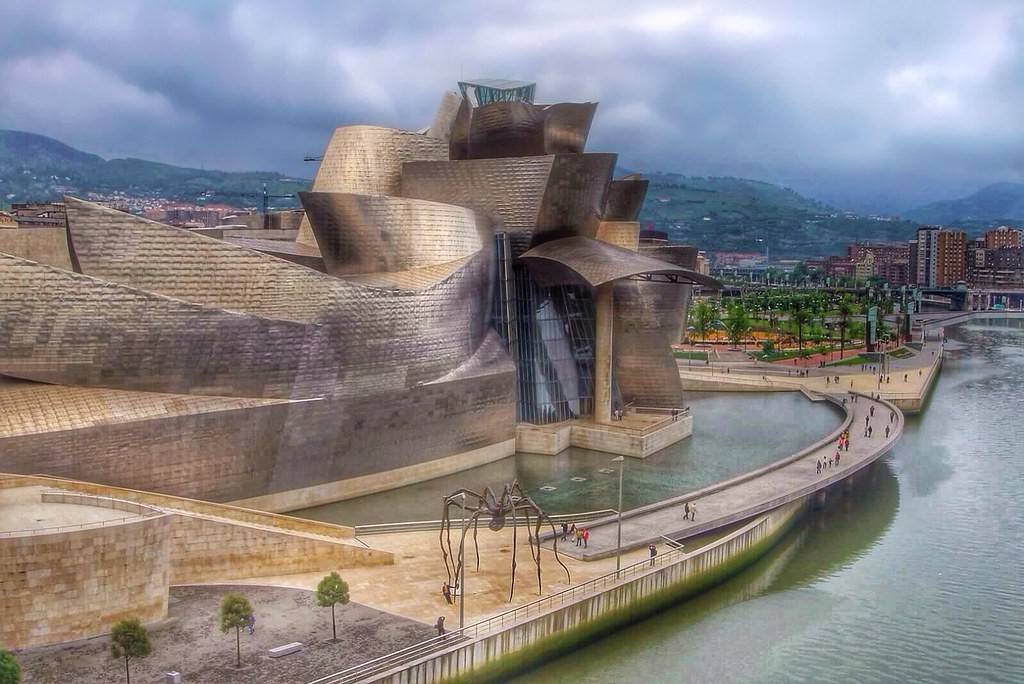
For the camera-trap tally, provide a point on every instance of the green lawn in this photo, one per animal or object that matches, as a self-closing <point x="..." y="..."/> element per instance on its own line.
<point x="901" y="353"/>
<point x="695" y="355"/>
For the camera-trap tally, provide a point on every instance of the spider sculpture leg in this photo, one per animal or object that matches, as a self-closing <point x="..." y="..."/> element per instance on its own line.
<point x="536" y="535"/>
<point x="476" y="546"/>
<point x="512" y="587"/>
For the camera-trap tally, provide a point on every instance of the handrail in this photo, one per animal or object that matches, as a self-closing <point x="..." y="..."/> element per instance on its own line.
<point x="408" y="654"/>
<point x="56" y="529"/>
<point x="428" y="525"/>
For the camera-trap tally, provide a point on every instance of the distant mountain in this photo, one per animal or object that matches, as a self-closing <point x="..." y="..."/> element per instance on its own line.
<point x="996" y="203"/>
<point x="737" y="214"/>
<point x="36" y="168"/>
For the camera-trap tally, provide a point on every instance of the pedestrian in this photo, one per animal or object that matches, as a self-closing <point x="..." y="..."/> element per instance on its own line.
<point x="686" y="510"/>
<point x="693" y="511"/>
<point x="586" y="538"/>
<point x="892" y="416"/>
<point x="919" y="371"/>
<point x="819" y="466"/>
<point x="579" y="537"/>
<point x="887" y="432"/>
<point x="828" y="380"/>
<point x="251" y="623"/>
<point x="439" y="626"/>
<point x="838" y="454"/>
<point x="872" y="414"/>
<point x="565" y="530"/>
<point x="888" y="379"/>
<point x="829" y="461"/>
<point x="446" y="591"/>
<point x="847" y="443"/>
<point x="865" y="430"/>
<point x="572" y="529"/>
<point x="653" y="550"/>
<point x="870" y="430"/>
<point x="867" y="419"/>
<point x="905" y="375"/>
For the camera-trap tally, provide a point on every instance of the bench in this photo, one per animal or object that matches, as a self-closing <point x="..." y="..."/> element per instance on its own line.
<point x="287" y="649"/>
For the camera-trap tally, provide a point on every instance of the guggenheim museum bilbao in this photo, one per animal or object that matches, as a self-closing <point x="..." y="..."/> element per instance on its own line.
<point x="446" y="287"/>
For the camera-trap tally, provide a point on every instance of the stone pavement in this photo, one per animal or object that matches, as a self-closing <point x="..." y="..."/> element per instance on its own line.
<point x="748" y="496"/>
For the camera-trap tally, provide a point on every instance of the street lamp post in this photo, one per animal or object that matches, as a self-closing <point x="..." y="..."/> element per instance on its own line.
<point x="618" y="543"/>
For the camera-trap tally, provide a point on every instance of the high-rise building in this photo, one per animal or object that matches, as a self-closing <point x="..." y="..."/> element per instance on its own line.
<point x="940" y="256"/>
<point x="1002" y="237"/>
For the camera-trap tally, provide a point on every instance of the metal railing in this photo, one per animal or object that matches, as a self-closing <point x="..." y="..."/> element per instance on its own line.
<point x="430" y="525"/>
<point x="408" y="655"/>
<point x="79" y="499"/>
<point x="56" y="529"/>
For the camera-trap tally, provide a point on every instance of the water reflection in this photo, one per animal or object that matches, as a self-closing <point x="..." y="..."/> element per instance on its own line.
<point x="733" y="434"/>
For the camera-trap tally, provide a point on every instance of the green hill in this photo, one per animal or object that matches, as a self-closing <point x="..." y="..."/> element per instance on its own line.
<point x="737" y="214"/>
<point x="36" y="168"/>
<point x="993" y="204"/>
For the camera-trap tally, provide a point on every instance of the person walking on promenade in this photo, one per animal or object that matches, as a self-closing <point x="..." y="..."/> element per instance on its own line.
<point x="828" y="380"/>
<point x="872" y="414"/>
<point x="905" y="375"/>
<point x="867" y="419"/>
<point x="887" y="432"/>
<point x="870" y="430"/>
<point x="686" y="510"/>
<point x="579" y="537"/>
<point x="565" y="530"/>
<point x="838" y="454"/>
<point x="919" y="372"/>
<point x="572" y="530"/>
<point x="829" y="461"/>
<point x="446" y="591"/>
<point x="653" y="550"/>
<point x="693" y="511"/>
<point x="819" y="467"/>
<point x="892" y="416"/>
<point x="439" y="626"/>
<point x="866" y="428"/>
<point x="586" y="538"/>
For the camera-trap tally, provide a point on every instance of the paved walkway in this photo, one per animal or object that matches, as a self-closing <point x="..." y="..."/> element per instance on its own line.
<point x="748" y="495"/>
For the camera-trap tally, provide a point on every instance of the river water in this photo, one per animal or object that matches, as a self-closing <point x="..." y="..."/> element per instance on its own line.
<point x="916" y="576"/>
<point x="733" y="433"/>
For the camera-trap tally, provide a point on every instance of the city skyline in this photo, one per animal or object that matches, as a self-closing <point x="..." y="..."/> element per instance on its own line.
<point x="914" y="108"/>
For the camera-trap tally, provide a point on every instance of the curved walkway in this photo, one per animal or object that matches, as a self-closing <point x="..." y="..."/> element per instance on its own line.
<point x="748" y="495"/>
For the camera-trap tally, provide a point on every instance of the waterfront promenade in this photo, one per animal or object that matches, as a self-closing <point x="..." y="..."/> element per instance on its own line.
<point x="738" y="499"/>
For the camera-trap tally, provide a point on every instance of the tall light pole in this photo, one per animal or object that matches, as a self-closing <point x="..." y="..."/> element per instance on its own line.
<point x="462" y="567"/>
<point x="621" y="460"/>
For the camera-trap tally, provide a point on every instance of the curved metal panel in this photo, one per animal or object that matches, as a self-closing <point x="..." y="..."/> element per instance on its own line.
<point x="521" y="129"/>
<point x="648" y="318"/>
<point x="130" y="250"/>
<point x="567" y="125"/>
<point x="444" y="118"/>
<point x="368" y="160"/>
<point x="595" y="262"/>
<point x="377" y="233"/>
<point x="509" y="190"/>
<point x="575" y="196"/>
<point x="625" y="199"/>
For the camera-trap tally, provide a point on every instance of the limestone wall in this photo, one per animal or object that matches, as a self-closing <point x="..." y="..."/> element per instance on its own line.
<point x="45" y="244"/>
<point x="78" y="583"/>
<point x="208" y="550"/>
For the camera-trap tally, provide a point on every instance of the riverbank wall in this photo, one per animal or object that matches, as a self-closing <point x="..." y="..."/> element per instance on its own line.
<point x="529" y="635"/>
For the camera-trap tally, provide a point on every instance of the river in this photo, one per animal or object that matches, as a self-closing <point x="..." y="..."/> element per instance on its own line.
<point x="916" y="576"/>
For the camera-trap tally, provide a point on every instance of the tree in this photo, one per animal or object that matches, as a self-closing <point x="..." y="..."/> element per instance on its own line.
<point x="845" y="310"/>
<point x="737" y="323"/>
<point x="235" y="612"/>
<point x="129" y="640"/>
<point x="704" y="314"/>
<point x="801" y="317"/>
<point x="10" y="671"/>
<point x="331" y="591"/>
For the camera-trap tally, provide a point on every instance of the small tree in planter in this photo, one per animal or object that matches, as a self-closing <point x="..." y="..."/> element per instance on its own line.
<point x="10" y="671"/>
<point x="129" y="640"/>
<point x="235" y="611"/>
<point x="331" y="591"/>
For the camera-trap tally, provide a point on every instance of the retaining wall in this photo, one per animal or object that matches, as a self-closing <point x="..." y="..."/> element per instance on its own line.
<point x="73" y="584"/>
<point x="561" y="629"/>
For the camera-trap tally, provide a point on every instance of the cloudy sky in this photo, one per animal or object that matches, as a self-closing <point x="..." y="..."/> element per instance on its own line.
<point x="866" y="103"/>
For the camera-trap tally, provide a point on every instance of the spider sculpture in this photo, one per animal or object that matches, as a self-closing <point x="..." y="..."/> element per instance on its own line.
<point x="511" y="503"/>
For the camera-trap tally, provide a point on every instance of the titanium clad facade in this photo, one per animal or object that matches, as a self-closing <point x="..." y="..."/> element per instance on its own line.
<point x="521" y="129"/>
<point x="382" y="234"/>
<point x="368" y="160"/>
<point x="625" y="199"/>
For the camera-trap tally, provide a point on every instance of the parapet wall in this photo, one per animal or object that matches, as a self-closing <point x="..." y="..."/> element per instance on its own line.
<point x="68" y="585"/>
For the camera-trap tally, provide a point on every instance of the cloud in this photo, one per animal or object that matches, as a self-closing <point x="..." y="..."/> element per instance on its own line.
<point x="851" y="102"/>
